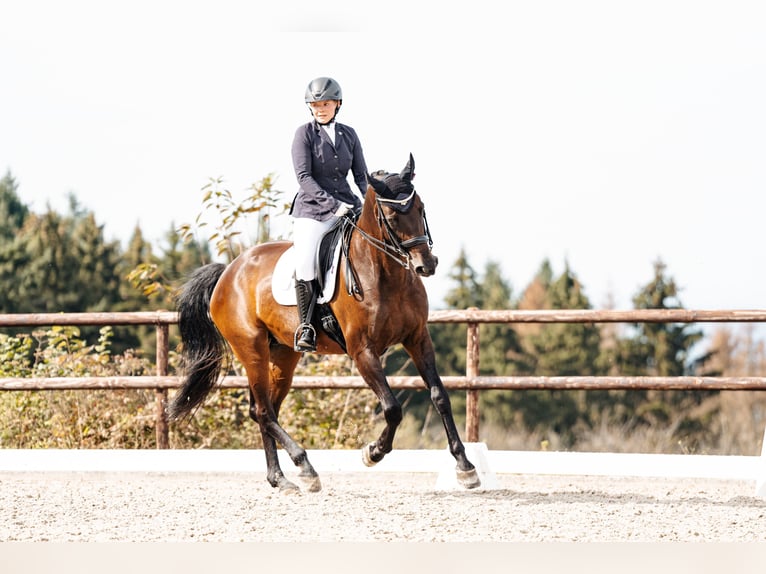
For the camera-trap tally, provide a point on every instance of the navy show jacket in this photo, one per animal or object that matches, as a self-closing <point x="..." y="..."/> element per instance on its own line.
<point x="322" y="168"/>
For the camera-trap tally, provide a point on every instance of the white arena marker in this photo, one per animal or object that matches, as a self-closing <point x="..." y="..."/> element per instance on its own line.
<point x="477" y="454"/>
<point x="760" y="484"/>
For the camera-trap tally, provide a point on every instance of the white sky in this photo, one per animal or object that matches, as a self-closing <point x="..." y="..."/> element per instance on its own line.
<point x="606" y="134"/>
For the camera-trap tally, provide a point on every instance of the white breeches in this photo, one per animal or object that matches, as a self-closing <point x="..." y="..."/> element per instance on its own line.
<point x="307" y="233"/>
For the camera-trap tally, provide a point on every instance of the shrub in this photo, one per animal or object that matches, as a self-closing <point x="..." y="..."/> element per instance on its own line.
<point x="116" y="418"/>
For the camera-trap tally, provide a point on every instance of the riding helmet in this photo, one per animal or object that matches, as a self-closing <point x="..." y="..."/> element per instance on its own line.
<point x="321" y="89"/>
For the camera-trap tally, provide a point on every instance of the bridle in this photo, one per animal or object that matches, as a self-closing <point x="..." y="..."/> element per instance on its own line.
<point x="395" y="247"/>
<point x="402" y="248"/>
<point x="391" y="245"/>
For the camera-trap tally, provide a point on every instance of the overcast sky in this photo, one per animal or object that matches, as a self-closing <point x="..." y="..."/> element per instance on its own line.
<point x="603" y="134"/>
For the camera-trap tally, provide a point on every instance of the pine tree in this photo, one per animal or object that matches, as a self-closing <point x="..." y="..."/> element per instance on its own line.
<point x="500" y="350"/>
<point x="564" y="349"/>
<point x="13" y="215"/>
<point x="60" y="264"/>
<point x="450" y="338"/>
<point x="138" y="252"/>
<point x="559" y="349"/>
<point x="13" y="212"/>
<point x="659" y="349"/>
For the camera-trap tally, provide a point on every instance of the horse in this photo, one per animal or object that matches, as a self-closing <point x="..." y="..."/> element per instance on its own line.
<point x="380" y="301"/>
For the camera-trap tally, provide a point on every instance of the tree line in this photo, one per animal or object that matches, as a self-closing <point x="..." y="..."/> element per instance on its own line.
<point x="54" y="262"/>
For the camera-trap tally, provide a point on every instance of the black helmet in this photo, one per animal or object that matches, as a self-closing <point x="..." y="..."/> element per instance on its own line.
<point x="321" y="89"/>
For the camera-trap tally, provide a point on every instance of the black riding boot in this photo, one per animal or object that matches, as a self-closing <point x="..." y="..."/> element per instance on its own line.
<point x="305" y="335"/>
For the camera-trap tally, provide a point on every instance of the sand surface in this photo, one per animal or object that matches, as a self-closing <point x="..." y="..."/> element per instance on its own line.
<point x="382" y="507"/>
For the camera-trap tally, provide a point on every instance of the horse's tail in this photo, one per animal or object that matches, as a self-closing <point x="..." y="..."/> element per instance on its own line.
<point x="203" y="348"/>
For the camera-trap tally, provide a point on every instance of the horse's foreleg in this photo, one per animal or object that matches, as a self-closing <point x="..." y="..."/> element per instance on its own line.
<point x="424" y="358"/>
<point x="370" y="368"/>
<point x="466" y="472"/>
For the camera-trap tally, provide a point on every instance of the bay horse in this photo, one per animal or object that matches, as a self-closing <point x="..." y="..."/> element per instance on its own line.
<point x="380" y="301"/>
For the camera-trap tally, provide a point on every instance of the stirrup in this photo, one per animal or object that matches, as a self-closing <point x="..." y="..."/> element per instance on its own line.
<point x="300" y="332"/>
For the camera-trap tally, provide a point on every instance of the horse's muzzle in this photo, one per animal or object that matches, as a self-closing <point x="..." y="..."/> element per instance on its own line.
<point x="425" y="266"/>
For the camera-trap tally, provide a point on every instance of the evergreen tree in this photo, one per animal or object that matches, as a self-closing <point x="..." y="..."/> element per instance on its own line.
<point x="96" y="264"/>
<point x="564" y="349"/>
<point x="559" y="349"/>
<point x="504" y="408"/>
<point x="60" y="264"/>
<point x="132" y="297"/>
<point x="450" y="338"/>
<point x="13" y="215"/>
<point x="659" y="349"/>
<point x="13" y="212"/>
<point x="139" y="251"/>
<point x="500" y="350"/>
<point x="14" y="258"/>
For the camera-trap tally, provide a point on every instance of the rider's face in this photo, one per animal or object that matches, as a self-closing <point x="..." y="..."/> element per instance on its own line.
<point x="324" y="111"/>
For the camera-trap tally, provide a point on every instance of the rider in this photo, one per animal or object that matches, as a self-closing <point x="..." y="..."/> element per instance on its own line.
<point x="323" y="152"/>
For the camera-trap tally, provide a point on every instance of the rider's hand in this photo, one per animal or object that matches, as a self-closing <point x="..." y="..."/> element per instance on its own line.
<point x="343" y="209"/>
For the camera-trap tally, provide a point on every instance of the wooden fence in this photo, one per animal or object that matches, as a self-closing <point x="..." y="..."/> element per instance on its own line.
<point x="472" y="382"/>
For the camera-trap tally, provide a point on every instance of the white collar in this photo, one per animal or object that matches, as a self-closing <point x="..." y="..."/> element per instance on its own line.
<point x="330" y="129"/>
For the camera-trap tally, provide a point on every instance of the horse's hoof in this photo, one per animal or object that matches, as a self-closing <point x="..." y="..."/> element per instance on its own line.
<point x="468" y="478"/>
<point x="287" y="487"/>
<point x="367" y="456"/>
<point x="312" y="483"/>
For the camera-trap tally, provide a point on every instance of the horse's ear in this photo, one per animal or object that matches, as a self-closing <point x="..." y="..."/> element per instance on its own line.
<point x="379" y="186"/>
<point x="408" y="173"/>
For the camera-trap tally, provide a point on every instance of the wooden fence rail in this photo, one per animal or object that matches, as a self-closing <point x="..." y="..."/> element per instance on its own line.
<point x="472" y="383"/>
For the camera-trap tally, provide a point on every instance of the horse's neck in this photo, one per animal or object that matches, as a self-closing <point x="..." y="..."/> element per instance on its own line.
<point x="364" y="243"/>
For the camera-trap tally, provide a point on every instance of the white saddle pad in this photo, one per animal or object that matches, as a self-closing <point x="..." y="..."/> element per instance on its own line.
<point x="283" y="278"/>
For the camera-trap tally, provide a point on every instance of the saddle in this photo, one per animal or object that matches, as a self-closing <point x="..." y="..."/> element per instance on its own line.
<point x="333" y="245"/>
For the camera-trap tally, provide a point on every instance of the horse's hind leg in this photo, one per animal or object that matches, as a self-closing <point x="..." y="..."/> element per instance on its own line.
<point x="274" y="474"/>
<point x="265" y="400"/>
<point x="283" y="362"/>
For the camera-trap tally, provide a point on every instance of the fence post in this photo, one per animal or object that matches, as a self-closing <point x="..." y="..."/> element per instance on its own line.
<point x="471" y="371"/>
<point x="161" y="395"/>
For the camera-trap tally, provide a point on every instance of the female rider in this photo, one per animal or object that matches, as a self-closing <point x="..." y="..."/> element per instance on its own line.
<point x="323" y="152"/>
